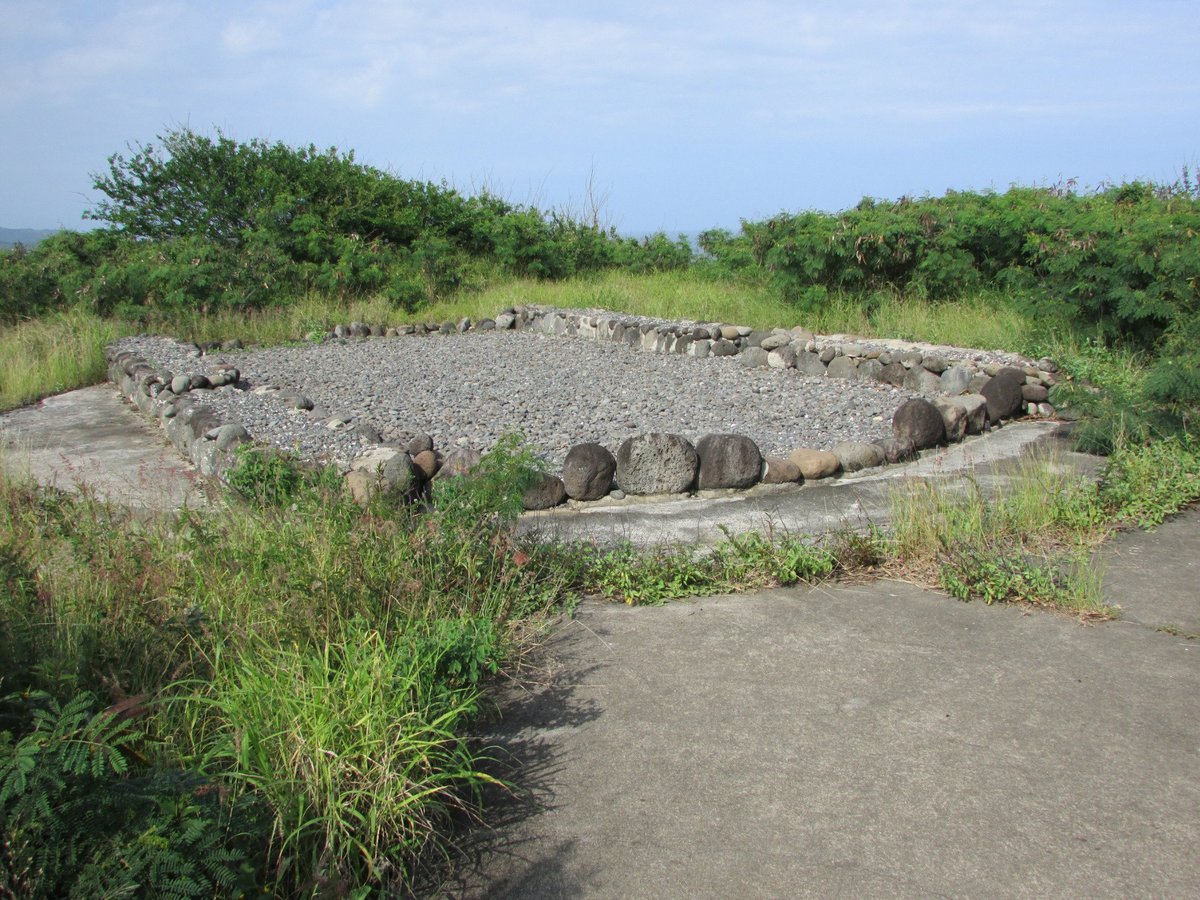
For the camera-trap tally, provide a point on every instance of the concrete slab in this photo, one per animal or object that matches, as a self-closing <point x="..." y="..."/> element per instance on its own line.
<point x="847" y="741"/>
<point x="854" y="500"/>
<point x="1154" y="576"/>
<point x="92" y="437"/>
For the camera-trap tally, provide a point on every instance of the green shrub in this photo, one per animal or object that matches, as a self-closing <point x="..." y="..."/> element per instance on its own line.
<point x="76" y="821"/>
<point x="1120" y="261"/>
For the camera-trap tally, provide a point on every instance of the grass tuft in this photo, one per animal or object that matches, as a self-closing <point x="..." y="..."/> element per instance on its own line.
<point x="1028" y="543"/>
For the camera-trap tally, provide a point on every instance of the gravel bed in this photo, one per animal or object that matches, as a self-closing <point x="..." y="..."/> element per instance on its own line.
<point x="468" y="390"/>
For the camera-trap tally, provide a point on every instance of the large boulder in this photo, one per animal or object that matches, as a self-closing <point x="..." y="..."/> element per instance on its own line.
<point x="920" y="380"/>
<point x="920" y="422"/>
<point x="754" y="357"/>
<point x="588" y="472"/>
<point x="1035" y="393"/>
<point x="419" y="444"/>
<point x="893" y="373"/>
<point x="728" y="461"/>
<point x="954" y="417"/>
<point x="546" y="492"/>
<point x="382" y="471"/>
<point x="869" y="370"/>
<point x="656" y="464"/>
<point x="810" y="364"/>
<point x="843" y="367"/>
<point x="230" y="436"/>
<point x="974" y="406"/>
<point x="457" y="462"/>
<point x="428" y="461"/>
<point x="1003" y="393"/>
<point x="856" y="455"/>
<point x="897" y="449"/>
<point x="814" y="464"/>
<point x="777" y="470"/>
<point x="782" y="358"/>
<point x="955" y="379"/>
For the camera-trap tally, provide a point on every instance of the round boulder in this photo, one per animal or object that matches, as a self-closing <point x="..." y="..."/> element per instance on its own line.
<point x="856" y="455"/>
<point x="842" y="367"/>
<point x="1035" y="393"/>
<point x="428" y="462"/>
<point x="420" y="444"/>
<point x="728" y="461"/>
<point x="893" y="373"/>
<point x="656" y="464"/>
<point x="810" y="364"/>
<point x="920" y="422"/>
<point x="897" y="450"/>
<point x="780" y="471"/>
<point x="231" y="435"/>
<point x="459" y="462"/>
<point x="954" y="417"/>
<point x="382" y="471"/>
<point x="955" y="379"/>
<point x="754" y="357"/>
<point x="588" y="472"/>
<point x="920" y="380"/>
<point x="814" y="464"/>
<point x="1003" y="393"/>
<point x="546" y="492"/>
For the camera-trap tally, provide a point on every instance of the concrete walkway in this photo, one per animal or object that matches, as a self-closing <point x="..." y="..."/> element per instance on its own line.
<point x="92" y="437"/>
<point x="858" y="741"/>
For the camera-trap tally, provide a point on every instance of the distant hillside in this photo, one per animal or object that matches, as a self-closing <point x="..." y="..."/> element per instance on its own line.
<point x="10" y="237"/>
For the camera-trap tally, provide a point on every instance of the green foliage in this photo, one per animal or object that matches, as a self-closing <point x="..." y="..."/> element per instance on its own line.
<point x="77" y="822"/>
<point x="990" y="573"/>
<point x="1143" y="484"/>
<point x="354" y="743"/>
<point x="380" y="626"/>
<point x="210" y="223"/>
<point x="1025" y="544"/>
<point x="268" y="477"/>
<point x="1121" y="261"/>
<point x="669" y="572"/>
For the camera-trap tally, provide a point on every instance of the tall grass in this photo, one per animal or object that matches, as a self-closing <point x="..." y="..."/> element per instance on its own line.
<point x="984" y="321"/>
<point x="1030" y="542"/>
<point x="356" y="743"/>
<point x="52" y="354"/>
<point x="320" y="657"/>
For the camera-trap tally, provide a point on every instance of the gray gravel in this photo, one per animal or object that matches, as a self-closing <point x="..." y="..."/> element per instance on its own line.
<point x="468" y="390"/>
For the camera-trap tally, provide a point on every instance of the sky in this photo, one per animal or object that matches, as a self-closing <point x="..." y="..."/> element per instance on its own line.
<point x="662" y="115"/>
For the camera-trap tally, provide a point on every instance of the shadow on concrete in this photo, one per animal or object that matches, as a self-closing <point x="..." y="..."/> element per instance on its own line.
<point x="521" y="753"/>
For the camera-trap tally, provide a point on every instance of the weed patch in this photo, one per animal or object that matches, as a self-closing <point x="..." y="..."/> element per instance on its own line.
<point x="1024" y="544"/>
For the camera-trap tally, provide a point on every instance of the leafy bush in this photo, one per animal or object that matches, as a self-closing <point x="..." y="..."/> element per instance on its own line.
<point x="368" y="633"/>
<point x="76" y="821"/>
<point x="1120" y="261"/>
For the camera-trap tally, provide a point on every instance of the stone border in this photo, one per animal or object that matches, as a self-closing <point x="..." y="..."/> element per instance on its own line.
<point x="972" y="391"/>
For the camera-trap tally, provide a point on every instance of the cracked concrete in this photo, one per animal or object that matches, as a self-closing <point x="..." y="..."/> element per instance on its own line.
<point x="872" y="740"/>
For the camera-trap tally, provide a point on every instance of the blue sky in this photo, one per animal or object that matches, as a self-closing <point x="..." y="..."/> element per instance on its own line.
<point x="681" y="116"/>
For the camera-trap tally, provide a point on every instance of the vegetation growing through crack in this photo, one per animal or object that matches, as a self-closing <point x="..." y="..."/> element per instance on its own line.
<point x="160" y="645"/>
